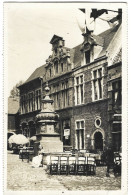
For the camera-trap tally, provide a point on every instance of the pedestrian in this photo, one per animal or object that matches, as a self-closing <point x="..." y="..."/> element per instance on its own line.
<point x="109" y="160"/>
<point x="40" y="148"/>
<point x="37" y="160"/>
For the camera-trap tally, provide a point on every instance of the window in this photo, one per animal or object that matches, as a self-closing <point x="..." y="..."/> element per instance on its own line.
<point x="56" y="67"/>
<point x="24" y="104"/>
<point x="97" y="84"/>
<point x="30" y="102"/>
<point x="79" y="90"/>
<point x="56" y="51"/>
<point x="65" y="94"/>
<point x="61" y="67"/>
<point x="116" y="86"/>
<point x="80" y="134"/>
<point x="56" y="96"/>
<point x="87" y="57"/>
<point x="50" y="72"/>
<point x="38" y="100"/>
<point x="57" y="99"/>
<point x="98" y="122"/>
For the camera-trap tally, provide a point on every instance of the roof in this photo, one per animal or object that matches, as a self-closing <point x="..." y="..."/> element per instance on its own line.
<point x="103" y="39"/>
<point x="40" y="71"/>
<point x="76" y="55"/>
<point x="98" y="40"/>
<point x="118" y="57"/>
<point x="107" y="36"/>
<point x="13" y="105"/>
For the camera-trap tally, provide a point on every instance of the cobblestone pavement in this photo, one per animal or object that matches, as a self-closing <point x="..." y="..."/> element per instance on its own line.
<point x="21" y="176"/>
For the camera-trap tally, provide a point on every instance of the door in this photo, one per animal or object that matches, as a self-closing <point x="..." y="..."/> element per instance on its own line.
<point x="98" y="141"/>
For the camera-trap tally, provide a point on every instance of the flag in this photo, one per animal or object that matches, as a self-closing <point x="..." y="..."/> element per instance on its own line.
<point x="96" y="13"/>
<point x="89" y="22"/>
<point x="81" y="27"/>
<point x="80" y="19"/>
<point x="83" y="10"/>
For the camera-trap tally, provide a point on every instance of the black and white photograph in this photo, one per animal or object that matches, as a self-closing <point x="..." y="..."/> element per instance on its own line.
<point x="65" y="87"/>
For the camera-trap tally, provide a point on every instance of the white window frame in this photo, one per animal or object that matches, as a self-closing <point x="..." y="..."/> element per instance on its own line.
<point x="93" y="91"/>
<point x="75" y="83"/>
<point x="24" y="97"/>
<point x="76" y="145"/>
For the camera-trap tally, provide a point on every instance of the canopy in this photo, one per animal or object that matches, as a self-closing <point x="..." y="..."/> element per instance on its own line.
<point x="18" y="139"/>
<point x="11" y="139"/>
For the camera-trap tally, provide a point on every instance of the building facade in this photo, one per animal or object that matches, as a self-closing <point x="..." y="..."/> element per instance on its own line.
<point x="13" y="116"/>
<point x="85" y="85"/>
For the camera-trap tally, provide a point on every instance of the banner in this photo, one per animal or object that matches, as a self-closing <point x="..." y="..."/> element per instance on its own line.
<point x="66" y="132"/>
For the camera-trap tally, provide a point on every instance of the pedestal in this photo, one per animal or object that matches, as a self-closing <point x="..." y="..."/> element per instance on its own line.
<point x="51" y="143"/>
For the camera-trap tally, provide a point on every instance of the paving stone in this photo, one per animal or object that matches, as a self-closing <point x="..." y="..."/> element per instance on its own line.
<point x="21" y="176"/>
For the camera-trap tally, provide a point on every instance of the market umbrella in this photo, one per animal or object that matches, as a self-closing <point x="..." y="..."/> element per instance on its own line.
<point x="12" y="138"/>
<point x="20" y="139"/>
<point x="33" y="138"/>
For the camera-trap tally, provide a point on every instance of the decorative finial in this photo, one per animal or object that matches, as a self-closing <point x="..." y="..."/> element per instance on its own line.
<point x="47" y="89"/>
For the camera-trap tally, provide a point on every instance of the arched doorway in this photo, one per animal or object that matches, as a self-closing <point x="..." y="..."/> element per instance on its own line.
<point x="98" y="141"/>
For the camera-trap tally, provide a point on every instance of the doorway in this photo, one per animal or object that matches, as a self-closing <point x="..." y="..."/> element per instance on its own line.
<point x="98" y="138"/>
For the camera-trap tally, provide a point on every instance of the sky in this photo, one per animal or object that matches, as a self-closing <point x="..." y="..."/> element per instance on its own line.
<point x="29" y="28"/>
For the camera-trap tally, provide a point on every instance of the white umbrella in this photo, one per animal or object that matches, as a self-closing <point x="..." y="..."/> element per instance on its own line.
<point x="21" y="139"/>
<point x="11" y="139"/>
<point x="18" y="139"/>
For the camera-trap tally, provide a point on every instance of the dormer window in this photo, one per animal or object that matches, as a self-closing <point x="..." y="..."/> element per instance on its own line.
<point x="87" y="56"/>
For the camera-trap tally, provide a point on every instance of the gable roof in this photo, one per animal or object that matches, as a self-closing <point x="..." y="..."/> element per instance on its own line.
<point x="107" y="36"/>
<point x="13" y="105"/>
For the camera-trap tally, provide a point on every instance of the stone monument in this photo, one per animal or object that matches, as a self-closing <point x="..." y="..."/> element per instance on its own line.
<point x="45" y="127"/>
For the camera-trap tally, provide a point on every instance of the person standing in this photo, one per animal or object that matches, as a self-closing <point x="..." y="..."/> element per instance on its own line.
<point x="109" y="160"/>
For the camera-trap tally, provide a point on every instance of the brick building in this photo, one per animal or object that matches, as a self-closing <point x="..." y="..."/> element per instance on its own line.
<point x="83" y="85"/>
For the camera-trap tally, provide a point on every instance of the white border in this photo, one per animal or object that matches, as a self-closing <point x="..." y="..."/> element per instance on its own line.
<point x="124" y="110"/>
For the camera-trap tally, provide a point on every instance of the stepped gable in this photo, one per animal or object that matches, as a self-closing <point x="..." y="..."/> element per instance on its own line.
<point x="103" y="39"/>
